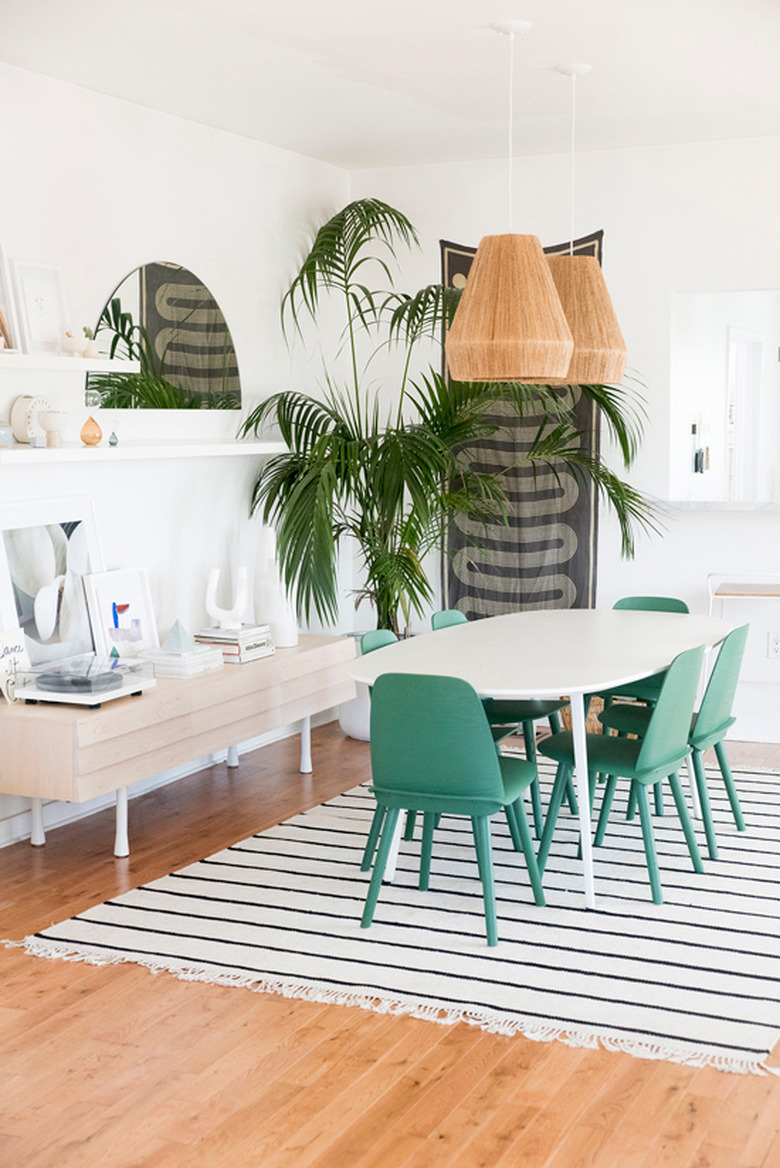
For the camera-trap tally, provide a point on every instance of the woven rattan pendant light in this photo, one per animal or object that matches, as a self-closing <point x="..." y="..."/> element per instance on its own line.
<point x="599" y="356"/>
<point x="509" y="325"/>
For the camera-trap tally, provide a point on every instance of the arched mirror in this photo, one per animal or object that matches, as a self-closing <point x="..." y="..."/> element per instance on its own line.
<point x="166" y="319"/>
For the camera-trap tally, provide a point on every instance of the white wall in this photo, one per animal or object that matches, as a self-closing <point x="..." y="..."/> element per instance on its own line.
<point x="97" y="186"/>
<point x="699" y="217"/>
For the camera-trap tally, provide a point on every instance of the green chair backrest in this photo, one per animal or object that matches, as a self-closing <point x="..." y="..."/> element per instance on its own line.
<point x="376" y="639"/>
<point x="652" y="604"/>
<point x="447" y="617"/>
<point x="666" y="738"/>
<point x="430" y="736"/>
<point x="714" y="716"/>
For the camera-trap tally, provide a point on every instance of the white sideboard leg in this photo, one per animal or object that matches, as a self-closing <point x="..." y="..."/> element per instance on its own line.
<point x="121" y="842"/>
<point x="37" y="834"/>
<point x="232" y="756"/>
<point x="305" y="746"/>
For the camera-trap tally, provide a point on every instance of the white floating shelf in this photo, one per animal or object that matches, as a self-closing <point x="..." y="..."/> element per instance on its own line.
<point x="62" y="363"/>
<point x="22" y="455"/>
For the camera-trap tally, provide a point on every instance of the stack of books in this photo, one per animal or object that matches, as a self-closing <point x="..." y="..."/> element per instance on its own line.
<point x="190" y="663"/>
<point x="181" y="657"/>
<point x="239" y="645"/>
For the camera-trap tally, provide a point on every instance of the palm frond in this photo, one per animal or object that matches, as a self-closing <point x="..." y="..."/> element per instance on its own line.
<point x="335" y="258"/>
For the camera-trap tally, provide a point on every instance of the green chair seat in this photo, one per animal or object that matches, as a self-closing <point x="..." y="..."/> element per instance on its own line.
<point x="644" y="761"/>
<point x="432" y="752"/>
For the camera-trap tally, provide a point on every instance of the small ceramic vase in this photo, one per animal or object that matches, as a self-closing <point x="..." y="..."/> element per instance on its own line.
<point x="91" y="432"/>
<point x="53" y="422"/>
<point x="74" y="345"/>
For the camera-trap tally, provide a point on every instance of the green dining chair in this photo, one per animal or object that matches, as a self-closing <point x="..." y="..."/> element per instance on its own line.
<point x="646" y="689"/>
<point x="646" y="761"/>
<point x="447" y="617"/>
<point x="376" y="639"/>
<point x="708" y="729"/>
<point x="506" y="717"/>
<point x="432" y="752"/>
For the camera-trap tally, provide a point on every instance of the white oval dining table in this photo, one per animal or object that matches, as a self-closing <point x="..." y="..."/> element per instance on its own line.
<point x="551" y="653"/>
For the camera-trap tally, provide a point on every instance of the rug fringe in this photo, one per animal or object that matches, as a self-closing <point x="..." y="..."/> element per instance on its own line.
<point x="487" y="1020"/>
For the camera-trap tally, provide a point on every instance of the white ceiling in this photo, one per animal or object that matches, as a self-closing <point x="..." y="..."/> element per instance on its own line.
<point x="363" y="83"/>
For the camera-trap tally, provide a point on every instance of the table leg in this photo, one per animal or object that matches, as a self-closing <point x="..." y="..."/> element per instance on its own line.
<point x="37" y="834"/>
<point x="306" y="746"/>
<point x="232" y="756"/>
<point x="121" y="842"/>
<point x="583" y="794"/>
<point x="392" y="858"/>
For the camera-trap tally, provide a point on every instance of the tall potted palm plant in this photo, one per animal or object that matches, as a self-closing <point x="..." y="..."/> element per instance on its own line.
<point x="389" y="475"/>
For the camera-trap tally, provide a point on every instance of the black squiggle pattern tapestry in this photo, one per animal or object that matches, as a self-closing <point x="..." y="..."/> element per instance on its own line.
<point x="545" y="556"/>
<point x="186" y="325"/>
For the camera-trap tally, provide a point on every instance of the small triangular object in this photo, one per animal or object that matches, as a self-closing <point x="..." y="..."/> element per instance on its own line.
<point x="178" y="640"/>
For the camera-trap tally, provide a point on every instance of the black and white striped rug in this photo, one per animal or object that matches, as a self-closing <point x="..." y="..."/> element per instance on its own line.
<point x="694" y="980"/>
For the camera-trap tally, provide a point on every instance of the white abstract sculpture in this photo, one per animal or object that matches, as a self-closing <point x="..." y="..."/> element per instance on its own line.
<point x="227" y="618"/>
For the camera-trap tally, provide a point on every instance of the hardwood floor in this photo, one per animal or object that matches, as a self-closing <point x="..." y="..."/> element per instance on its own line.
<point x="113" y="1065"/>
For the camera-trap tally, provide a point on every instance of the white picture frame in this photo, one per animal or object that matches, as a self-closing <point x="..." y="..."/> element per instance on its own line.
<point x="9" y="324"/>
<point x="121" y="612"/>
<point x="47" y="546"/>
<point x="43" y="312"/>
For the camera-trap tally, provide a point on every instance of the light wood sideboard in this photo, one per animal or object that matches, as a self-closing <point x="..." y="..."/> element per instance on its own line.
<point x="70" y="753"/>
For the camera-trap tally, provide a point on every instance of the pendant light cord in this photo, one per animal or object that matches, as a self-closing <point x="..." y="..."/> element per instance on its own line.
<point x="573" y="155"/>
<point x="511" y="125"/>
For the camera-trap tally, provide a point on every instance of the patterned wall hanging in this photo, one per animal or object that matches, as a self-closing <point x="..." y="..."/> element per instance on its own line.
<point x="545" y="556"/>
<point x="186" y="324"/>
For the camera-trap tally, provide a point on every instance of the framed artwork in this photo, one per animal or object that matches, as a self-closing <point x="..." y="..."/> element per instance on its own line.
<point x="47" y="547"/>
<point x="120" y="609"/>
<point x="9" y="329"/>
<point x="43" y="315"/>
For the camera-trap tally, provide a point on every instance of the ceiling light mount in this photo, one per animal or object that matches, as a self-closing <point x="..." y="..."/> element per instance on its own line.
<point x="575" y="70"/>
<point x="509" y="27"/>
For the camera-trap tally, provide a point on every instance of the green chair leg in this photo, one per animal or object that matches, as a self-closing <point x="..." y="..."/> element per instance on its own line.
<point x="631" y="808"/>
<point x="606" y="806"/>
<point x="649" y="842"/>
<point x="536" y="796"/>
<point x="411" y="819"/>
<point x="526" y="842"/>
<point x="685" y="820"/>
<point x="480" y="825"/>
<point x="555" y="722"/>
<point x="373" y="836"/>
<point x="571" y="796"/>
<point x="704" y="803"/>
<point x="658" y="797"/>
<point x="514" y="826"/>
<point x="731" y="790"/>
<point x="388" y="830"/>
<point x="429" y="824"/>
<point x="562" y="777"/>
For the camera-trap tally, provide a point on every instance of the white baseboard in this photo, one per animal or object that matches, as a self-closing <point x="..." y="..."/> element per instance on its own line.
<point x="18" y="826"/>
